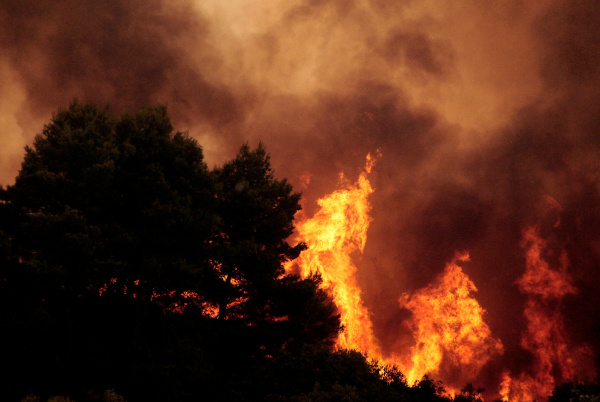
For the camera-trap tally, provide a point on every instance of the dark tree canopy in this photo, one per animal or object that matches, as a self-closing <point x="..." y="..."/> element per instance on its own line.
<point x="99" y="198"/>
<point x="126" y="260"/>
<point x="256" y="216"/>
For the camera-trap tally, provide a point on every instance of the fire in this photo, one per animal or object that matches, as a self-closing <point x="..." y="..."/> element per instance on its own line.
<point x="453" y="342"/>
<point x="545" y="336"/>
<point x="338" y="230"/>
<point x="505" y="386"/>
<point x="448" y="321"/>
<point x="448" y="325"/>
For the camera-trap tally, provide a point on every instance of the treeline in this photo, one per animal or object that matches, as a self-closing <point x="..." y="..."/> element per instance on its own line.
<point x="132" y="271"/>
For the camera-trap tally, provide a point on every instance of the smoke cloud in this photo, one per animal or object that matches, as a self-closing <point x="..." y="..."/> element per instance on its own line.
<point x="486" y="115"/>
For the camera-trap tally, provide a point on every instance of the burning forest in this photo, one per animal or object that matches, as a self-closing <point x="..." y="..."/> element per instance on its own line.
<point x="450" y="336"/>
<point x="465" y="248"/>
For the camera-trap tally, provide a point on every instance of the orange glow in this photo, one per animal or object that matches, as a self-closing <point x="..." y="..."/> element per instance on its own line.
<point x="453" y="343"/>
<point x="545" y="336"/>
<point x="448" y="325"/>
<point x="104" y="288"/>
<point x="336" y="231"/>
<point x="505" y="386"/>
<point x="305" y="179"/>
<point x="448" y="322"/>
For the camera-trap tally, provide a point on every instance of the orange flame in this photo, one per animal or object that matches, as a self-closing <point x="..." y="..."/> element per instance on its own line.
<point x="545" y="337"/>
<point x="453" y="342"/>
<point x="336" y="231"/>
<point x="448" y="324"/>
<point x="505" y="386"/>
<point x="455" y="330"/>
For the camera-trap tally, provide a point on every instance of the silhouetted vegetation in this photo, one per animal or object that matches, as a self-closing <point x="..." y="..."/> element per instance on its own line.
<point x="127" y="264"/>
<point x="576" y="391"/>
<point x="132" y="271"/>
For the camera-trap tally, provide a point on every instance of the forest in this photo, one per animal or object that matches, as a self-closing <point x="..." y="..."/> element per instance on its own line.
<point x="130" y="270"/>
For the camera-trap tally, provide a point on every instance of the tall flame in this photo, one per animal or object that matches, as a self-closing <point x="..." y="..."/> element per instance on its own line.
<point x="336" y="231"/>
<point x="448" y="321"/>
<point x="448" y="324"/>
<point x="452" y="340"/>
<point x="545" y="336"/>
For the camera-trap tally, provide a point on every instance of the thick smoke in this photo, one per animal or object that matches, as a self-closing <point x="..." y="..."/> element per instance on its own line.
<point x="125" y="53"/>
<point x="487" y="117"/>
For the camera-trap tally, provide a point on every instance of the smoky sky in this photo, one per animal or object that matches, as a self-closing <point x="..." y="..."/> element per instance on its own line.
<point x="487" y="117"/>
<point x="125" y="53"/>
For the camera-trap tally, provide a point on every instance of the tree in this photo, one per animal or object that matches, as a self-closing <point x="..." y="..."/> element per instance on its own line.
<point x="98" y="198"/>
<point x="257" y="215"/>
<point x="576" y="391"/>
<point x="117" y="243"/>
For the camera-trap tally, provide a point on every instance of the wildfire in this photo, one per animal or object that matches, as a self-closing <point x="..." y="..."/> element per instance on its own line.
<point x="452" y="340"/>
<point x="448" y="321"/>
<point x="448" y="324"/>
<point x="505" y="386"/>
<point x="545" y="336"/>
<point x="336" y="231"/>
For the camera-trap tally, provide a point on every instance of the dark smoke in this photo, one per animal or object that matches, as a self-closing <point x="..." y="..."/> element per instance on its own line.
<point x="123" y="52"/>
<point x="482" y="112"/>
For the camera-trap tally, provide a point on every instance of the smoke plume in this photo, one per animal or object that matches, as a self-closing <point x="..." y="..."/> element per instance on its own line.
<point x="487" y="117"/>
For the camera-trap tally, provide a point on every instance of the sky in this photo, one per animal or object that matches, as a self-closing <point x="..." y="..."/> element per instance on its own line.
<point x="486" y="114"/>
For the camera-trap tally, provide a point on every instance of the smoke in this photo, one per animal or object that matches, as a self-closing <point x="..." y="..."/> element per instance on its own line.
<point x="125" y="53"/>
<point x="482" y="113"/>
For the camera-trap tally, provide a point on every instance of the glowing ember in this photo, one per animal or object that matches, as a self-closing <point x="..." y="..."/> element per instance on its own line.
<point x="338" y="229"/>
<point x="448" y="324"/>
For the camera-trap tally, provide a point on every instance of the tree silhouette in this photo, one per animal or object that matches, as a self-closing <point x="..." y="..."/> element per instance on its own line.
<point x="117" y="244"/>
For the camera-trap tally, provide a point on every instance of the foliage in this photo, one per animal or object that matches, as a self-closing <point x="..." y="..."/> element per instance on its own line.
<point x="109" y="395"/>
<point x="576" y="391"/>
<point x="60" y="399"/>
<point x="116" y="241"/>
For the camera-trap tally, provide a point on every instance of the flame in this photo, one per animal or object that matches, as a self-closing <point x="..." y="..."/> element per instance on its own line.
<point x="505" y="386"/>
<point x="448" y="321"/>
<point x="452" y="340"/>
<point x="545" y="336"/>
<point x="336" y="231"/>
<point x="448" y="325"/>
